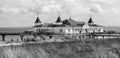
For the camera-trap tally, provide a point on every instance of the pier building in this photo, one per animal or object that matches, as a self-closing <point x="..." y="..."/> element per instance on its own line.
<point x="68" y="26"/>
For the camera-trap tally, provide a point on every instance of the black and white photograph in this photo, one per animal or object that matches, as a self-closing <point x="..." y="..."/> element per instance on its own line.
<point x="59" y="28"/>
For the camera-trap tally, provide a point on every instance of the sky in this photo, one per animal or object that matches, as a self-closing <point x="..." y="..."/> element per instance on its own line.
<point x="23" y="13"/>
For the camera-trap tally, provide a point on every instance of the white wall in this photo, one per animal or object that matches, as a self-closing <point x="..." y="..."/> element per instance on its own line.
<point x="70" y="30"/>
<point x="93" y="29"/>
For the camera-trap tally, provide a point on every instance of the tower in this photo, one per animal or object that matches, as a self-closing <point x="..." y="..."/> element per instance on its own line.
<point x="70" y="17"/>
<point x="58" y="21"/>
<point x="90" y="20"/>
<point x="38" y="22"/>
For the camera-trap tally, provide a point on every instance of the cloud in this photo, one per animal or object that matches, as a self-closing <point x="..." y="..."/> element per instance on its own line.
<point x="30" y="6"/>
<point x="105" y="10"/>
<point x="43" y="6"/>
<point x="105" y="1"/>
<point x="51" y="8"/>
<point x="96" y="9"/>
<point x="114" y="11"/>
<point x="73" y="7"/>
<point x="12" y="10"/>
<point x="47" y="6"/>
<point x="69" y="6"/>
<point x="15" y="6"/>
<point x="70" y="0"/>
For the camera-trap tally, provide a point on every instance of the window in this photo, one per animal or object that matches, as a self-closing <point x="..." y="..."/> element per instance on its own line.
<point x="73" y="29"/>
<point x="73" y="34"/>
<point x="61" y="30"/>
<point x="76" y="29"/>
<point x="68" y="29"/>
<point x="47" y="30"/>
<point x="39" y="30"/>
<point x="44" y="30"/>
<point x="80" y="32"/>
<point x="77" y="34"/>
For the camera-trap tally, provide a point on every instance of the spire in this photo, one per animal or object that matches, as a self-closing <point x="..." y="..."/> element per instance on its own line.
<point x="38" y="19"/>
<point x="90" y="20"/>
<point x="58" y="19"/>
<point x="70" y="17"/>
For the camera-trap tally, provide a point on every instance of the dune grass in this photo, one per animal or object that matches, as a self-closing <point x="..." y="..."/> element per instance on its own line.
<point x="109" y="48"/>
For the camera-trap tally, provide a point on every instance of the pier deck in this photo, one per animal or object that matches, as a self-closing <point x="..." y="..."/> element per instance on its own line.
<point x="95" y="35"/>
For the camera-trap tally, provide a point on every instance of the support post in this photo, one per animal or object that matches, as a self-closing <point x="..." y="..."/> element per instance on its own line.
<point x="3" y="37"/>
<point x="21" y="37"/>
<point x="34" y="35"/>
<point x="103" y="37"/>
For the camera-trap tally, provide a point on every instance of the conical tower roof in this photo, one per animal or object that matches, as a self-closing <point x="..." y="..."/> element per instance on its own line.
<point x="38" y="20"/>
<point x="90" y="20"/>
<point x="58" y="20"/>
<point x="70" y="18"/>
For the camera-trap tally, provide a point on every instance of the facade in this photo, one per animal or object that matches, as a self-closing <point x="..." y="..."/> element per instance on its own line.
<point x="91" y="27"/>
<point x="67" y="27"/>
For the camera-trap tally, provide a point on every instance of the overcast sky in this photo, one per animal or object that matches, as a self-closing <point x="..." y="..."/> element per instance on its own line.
<point x="22" y="13"/>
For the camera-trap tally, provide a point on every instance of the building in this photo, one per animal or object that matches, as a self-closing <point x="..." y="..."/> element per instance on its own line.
<point x="67" y="27"/>
<point x="91" y="27"/>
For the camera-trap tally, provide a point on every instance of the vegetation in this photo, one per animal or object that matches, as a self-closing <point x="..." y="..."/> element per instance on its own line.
<point x="107" y="48"/>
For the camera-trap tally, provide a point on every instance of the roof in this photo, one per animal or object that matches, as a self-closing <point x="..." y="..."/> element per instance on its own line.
<point x="52" y="25"/>
<point x="38" y="26"/>
<point x="59" y="20"/>
<point x="94" y="25"/>
<point x="68" y="23"/>
<point x="72" y="22"/>
<point x="38" y="20"/>
<point x="90" y="20"/>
